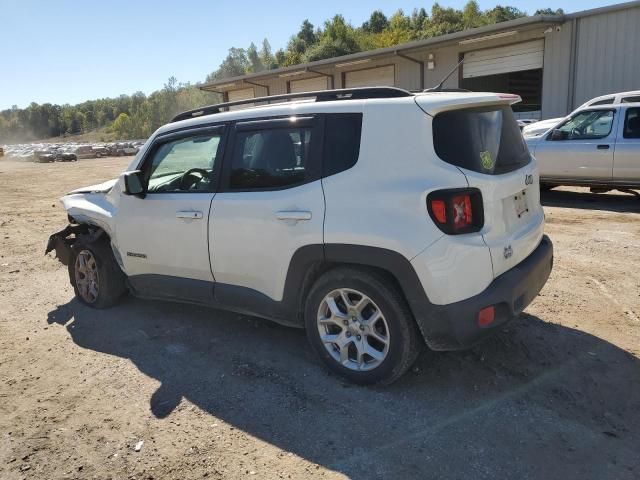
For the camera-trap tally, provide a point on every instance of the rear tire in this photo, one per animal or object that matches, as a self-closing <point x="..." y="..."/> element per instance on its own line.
<point x="361" y="327"/>
<point x="95" y="275"/>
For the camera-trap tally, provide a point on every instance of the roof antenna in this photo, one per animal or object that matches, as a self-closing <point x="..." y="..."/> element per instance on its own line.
<point x="438" y="87"/>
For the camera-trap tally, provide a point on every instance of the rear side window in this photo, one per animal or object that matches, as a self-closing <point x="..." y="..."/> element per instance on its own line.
<point x="341" y="142"/>
<point x="632" y="123"/>
<point x="635" y="99"/>
<point x="485" y="140"/>
<point x="607" y="101"/>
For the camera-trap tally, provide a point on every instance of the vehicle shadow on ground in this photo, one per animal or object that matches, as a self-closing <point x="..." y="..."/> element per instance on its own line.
<point x="614" y="201"/>
<point x="538" y="400"/>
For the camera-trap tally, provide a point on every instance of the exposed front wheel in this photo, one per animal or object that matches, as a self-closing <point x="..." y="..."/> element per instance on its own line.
<point x="361" y="327"/>
<point x="95" y="276"/>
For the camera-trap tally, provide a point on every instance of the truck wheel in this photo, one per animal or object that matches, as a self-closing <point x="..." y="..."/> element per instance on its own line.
<point x="95" y="276"/>
<point x="361" y="327"/>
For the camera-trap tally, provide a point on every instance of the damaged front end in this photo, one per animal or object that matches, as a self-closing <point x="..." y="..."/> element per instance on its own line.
<point x="90" y="212"/>
<point x="63" y="240"/>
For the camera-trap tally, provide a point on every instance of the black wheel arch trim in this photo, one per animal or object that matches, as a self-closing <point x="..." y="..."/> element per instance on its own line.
<point x="394" y="263"/>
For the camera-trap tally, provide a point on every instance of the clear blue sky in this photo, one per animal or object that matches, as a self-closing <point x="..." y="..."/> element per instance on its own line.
<point x="68" y="51"/>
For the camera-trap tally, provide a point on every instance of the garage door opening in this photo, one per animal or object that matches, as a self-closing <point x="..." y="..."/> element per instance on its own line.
<point x="241" y="94"/>
<point x="370" y="77"/>
<point x="313" y="84"/>
<point x="513" y="69"/>
<point x="527" y="84"/>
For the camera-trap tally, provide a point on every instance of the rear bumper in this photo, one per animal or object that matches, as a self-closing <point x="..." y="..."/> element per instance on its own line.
<point x="455" y="326"/>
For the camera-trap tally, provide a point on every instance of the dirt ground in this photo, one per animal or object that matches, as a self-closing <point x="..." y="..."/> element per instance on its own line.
<point x="211" y="394"/>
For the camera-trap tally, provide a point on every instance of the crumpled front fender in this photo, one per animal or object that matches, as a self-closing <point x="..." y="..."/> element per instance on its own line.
<point x="63" y="240"/>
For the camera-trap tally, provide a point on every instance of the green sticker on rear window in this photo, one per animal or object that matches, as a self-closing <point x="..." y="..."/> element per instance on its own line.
<point x="486" y="161"/>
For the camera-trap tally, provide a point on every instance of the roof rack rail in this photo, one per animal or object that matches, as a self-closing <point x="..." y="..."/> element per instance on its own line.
<point x="320" y="96"/>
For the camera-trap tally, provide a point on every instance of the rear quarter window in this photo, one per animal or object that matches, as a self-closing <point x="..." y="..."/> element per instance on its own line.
<point x="341" y="147"/>
<point x="485" y="140"/>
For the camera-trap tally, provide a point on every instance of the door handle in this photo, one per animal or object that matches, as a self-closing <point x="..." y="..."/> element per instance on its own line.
<point x="191" y="214"/>
<point x="603" y="147"/>
<point x="296" y="215"/>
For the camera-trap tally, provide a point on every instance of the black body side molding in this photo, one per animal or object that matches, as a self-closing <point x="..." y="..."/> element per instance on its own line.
<point x="443" y="327"/>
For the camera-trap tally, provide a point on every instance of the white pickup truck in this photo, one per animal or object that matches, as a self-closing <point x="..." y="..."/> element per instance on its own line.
<point x="597" y="146"/>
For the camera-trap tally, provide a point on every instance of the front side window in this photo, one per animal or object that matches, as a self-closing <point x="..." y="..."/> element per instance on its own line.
<point x="183" y="165"/>
<point x="270" y="158"/>
<point x="588" y="125"/>
<point x="632" y="123"/>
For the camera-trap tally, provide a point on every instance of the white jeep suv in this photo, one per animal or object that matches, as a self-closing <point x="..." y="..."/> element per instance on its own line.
<point x="375" y="218"/>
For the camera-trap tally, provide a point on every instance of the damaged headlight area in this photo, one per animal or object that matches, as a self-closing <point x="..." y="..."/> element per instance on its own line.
<point x="63" y="240"/>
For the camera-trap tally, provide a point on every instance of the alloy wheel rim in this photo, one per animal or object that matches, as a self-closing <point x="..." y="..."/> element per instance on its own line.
<point x="86" y="276"/>
<point x="353" y="329"/>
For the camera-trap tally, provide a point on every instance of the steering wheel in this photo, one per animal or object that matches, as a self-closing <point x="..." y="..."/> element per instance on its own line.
<point x="192" y="177"/>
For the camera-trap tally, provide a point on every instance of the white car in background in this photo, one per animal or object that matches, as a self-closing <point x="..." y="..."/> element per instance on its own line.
<point x="539" y="128"/>
<point x="597" y="147"/>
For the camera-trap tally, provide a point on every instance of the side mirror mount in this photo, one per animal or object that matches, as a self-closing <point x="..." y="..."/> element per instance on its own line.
<point x="133" y="183"/>
<point x="557" y="134"/>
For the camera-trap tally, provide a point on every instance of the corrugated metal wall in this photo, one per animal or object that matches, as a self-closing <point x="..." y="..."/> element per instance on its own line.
<point x="608" y="54"/>
<point x="556" y="71"/>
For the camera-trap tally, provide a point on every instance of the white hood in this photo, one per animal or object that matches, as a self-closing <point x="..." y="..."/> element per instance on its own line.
<point x="98" y="188"/>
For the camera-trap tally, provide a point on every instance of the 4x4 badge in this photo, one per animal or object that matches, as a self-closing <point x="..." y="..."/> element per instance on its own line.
<point x="508" y="251"/>
<point x="528" y="179"/>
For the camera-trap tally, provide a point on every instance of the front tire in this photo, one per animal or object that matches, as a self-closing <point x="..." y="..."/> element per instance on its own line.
<point x="95" y="275"/>
<point x="361" y="327"/>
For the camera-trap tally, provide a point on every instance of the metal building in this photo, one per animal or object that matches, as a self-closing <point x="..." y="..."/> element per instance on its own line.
<point x="554" y="63"/>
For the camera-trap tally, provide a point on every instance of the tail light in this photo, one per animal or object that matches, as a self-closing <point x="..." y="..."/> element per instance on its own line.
<point x="457" y="210"/>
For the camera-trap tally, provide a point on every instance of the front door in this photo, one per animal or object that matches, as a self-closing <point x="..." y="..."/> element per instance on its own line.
<point x="581" y="148"/>
<point x="163" y="237"/>
<point x="270" y="204"/>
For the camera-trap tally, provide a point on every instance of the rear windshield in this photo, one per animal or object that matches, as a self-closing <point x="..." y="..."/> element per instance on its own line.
<point x="485" y="140"/>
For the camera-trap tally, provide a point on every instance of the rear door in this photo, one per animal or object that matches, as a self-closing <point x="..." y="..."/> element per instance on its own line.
<point x="626" y="160"/>
<point x="486" y="144"/>
<point x="270" y="204"/>
<point x="581" y="148"/>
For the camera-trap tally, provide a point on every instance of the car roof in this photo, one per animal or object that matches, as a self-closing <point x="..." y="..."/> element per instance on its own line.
<point x="433" y="101"/>
<point x="615" y="96"/>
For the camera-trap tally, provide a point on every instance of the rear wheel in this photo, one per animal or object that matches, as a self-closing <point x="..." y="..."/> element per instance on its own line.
<point x="95" y="276"/>
<point x="361" y="327"/>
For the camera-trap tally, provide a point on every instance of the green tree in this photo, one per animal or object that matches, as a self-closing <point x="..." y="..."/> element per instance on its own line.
<point x="549" y="11"/>
<point x="338" y="38"/>
<point x="502" y="14"/>
<point x="266" y="57"/>
<point x="234" y="64"/>
<point x="377" y="22"/>
<point x="122" y="126"/>
<point x="472" y="16"/>
<point x="253" y="59"/>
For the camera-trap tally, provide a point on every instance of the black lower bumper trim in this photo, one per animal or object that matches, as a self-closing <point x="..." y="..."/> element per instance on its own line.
<point x="455" y="326"/>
